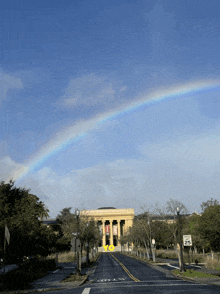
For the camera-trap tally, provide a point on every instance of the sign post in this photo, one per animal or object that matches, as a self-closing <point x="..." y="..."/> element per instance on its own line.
<point x="187" y="242"/>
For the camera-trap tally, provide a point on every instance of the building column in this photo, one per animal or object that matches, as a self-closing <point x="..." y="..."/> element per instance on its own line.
<point x="111" y="232"/>
<point x="103" y="233"/>
<point x="119" y="231"/>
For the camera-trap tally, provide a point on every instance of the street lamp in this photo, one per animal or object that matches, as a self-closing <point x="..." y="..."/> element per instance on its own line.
<point x="180" y="241"/>
<point x="77" y="226"/>
<point x="151" y="252"/>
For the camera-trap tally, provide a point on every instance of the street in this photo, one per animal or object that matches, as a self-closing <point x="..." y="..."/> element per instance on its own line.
<point x="118" y="273"/>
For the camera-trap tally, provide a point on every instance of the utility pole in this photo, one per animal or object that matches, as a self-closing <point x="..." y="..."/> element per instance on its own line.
<point x="181" y="266"/>
<point x="78" y="271"/>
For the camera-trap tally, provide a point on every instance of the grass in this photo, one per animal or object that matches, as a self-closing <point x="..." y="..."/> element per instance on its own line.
<point x="79" y="278"/>
<point x="213" y="264"/>
<point x="193" y="274"/>
<point x="66" y="256"/>
<point x="166" y="254"/>
<point x="74" y="278"/>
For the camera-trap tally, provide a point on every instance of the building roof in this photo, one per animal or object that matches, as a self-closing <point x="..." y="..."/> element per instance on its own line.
<point x="51" y="221"/>
<point x="107" y="208"/>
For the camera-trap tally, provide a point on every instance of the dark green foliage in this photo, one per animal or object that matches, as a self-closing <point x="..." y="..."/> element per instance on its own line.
<point x="89" y="232"/>
<point x="63" y="244"/>
<point x="67" y="222"/>
<point x="162" y="234"/>
<point x="21" y="278"/>
<point x="87" y="228"/>
<point x="209" y="226"/>
<point x="191" y="227"/>
<point x="66" y="227"/>
<point x="23" y="212"/>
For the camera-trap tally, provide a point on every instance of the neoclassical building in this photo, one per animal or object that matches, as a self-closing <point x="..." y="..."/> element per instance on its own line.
<point x="113" y="223"/>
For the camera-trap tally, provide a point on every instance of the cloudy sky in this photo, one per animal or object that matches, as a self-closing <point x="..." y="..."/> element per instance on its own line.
<point x="111" y="103"/>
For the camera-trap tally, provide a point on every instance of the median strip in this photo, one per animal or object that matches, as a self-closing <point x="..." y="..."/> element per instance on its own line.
<point x="126" y="270"/>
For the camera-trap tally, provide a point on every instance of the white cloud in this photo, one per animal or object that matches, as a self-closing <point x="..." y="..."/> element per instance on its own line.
<point x="197" y="154"/>
<point x="8" y="82"/>
<point x="125" y="184"/>
<point x="9" y="169"/>
<point x="89" y="90"/>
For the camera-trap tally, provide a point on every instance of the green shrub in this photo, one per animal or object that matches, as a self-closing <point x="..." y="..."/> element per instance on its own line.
<point x="28" y="272"/>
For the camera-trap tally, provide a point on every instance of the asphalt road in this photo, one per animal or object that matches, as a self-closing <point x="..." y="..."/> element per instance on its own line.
<point x="118" y="274"/>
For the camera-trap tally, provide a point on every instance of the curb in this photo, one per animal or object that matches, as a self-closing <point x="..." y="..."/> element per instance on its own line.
<point x="32" y="290"/>
<point x="84" y="281"/>
<point x="210" y="281"/>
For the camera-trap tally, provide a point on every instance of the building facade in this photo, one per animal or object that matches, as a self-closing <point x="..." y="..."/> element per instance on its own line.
<point x="113" y="223"/>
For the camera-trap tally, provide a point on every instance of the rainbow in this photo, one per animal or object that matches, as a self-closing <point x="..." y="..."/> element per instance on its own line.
<point x="79" y="130"/>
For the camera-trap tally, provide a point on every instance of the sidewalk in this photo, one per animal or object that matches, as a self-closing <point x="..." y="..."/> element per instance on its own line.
<point x="52" y="280"/>
<point x="8" y="268"/>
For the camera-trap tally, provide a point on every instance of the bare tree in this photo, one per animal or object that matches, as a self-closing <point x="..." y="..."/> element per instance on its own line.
<point x="211" y="202"/>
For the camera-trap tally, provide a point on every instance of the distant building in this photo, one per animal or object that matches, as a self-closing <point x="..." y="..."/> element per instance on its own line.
<point x="113" y="223"/>
<point x="50" y="222"/>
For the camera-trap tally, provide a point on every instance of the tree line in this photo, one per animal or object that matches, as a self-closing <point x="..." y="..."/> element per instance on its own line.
<point x="23" y="214"/>
<point x="163" y="226"/>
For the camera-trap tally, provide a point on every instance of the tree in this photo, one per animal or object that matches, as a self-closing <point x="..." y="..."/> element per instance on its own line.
<point x="208" y="203"/>
<point x="172" y="205"/>
<point x="162" y="233"/>
<point x="88" y="230"/>
<point x="209" y="226"/>
<point x="171" y="208"/>
<point x="191" y="227"/>
<point x="22" y="212"/>
<point x="140" y="234"/>
<point x="67" y="227"/>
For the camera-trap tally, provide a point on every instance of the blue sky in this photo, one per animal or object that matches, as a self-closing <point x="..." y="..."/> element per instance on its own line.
<point x="72" y="74"/>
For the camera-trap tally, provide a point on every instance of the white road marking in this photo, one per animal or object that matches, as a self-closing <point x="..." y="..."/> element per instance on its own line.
<point x="86" y="291"/>
<point x="56" y="271"/>
<point x="126" y="285"/>
<point x="110" y="280"/>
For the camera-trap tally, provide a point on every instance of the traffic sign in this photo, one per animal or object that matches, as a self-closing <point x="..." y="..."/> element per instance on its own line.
<point x="187" y="240"/>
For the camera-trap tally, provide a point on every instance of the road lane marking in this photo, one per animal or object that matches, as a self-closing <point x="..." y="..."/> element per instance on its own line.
<point x="131" y="285"/>
<point x="126" y="270"/>
<point x="110" y="280"/>
<point x="86" y="291"/>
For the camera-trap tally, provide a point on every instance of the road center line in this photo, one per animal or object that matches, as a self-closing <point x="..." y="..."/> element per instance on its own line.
<point x="86" y="291"/>
<point x="126" y="270"/>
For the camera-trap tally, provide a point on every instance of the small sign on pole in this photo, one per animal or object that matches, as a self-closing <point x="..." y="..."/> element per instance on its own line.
<point x="56" y="260"/>
<point x="7" y="234"/>
<point x="187" y="240"/>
